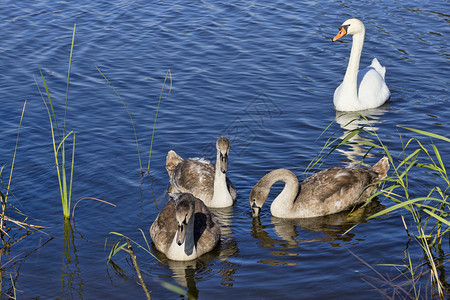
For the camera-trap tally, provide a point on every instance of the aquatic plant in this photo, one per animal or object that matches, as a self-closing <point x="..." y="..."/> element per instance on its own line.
<point x="4" y="197"/>
<point x="59" y="147"/>
<point x="118" y="246"/>
<point x="429" y="211"/>
<point x="127" y="247"/>
<point x="168" y="75"/>
<point x="9" y="235"/>
<point x="4" y="200"/>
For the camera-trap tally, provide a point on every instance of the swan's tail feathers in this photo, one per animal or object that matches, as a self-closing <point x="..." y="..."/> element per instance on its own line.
<point x="377" y="66"/>
<point x="172" y="160"/>
<point x="381" y="167"/>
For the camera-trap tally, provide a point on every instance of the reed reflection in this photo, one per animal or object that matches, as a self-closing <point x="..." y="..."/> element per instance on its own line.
<point x="71" y="280"/>
<point x="11" y="262"/>
<point x="368" y="119"/>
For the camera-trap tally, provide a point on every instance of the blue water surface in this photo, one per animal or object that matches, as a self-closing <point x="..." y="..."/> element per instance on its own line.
<point x="263" y="73"/>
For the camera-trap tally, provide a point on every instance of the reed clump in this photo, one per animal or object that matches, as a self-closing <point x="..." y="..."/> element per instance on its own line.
<point x="428" y="209"/>
<point x="59" y="140"/>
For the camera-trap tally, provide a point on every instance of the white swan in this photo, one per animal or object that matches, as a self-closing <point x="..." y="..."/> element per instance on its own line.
<point x="364" y="89"/>
<point x="326" y="192"/>
<point x="184" y="229"/>
<point x="204" y="180"/>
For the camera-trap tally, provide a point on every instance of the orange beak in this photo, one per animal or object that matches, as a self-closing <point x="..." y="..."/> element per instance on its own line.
<point x="341" y="33"/>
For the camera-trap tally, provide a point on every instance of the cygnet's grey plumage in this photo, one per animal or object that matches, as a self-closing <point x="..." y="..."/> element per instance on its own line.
<point x="201" y="178"/>
<point x="185" y="229"/>
<point x="326" y="192"/>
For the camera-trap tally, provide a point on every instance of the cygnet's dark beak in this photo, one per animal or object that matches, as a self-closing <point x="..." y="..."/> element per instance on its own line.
<point x="255" y="210"/>
<point x="181" y="234"/>
<point x="223" y="163"/>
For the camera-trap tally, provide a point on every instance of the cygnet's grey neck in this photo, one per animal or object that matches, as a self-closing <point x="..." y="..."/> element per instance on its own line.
<point x="221" y="196"/>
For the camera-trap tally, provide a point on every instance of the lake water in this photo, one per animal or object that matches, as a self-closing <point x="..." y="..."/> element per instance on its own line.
<point x="261" y="73"/>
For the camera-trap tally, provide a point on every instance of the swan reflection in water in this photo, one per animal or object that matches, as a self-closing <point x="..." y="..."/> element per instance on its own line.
<point x="187" y="273"/>
<point x="291" y="233"/>
<point x="368" y="119"/>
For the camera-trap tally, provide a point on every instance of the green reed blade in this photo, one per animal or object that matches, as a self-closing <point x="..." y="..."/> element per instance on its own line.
<point x="129" y="114"/>
<point x="148" y="250"/>
<point x="437" y="217"/>
<point x="423" y="132"/>
<point x="441" y="163"/>
<point x="49" y="99"/>
<point x="14" y="155"/>
<point x="53" y="136"/>
<point x="71" y="175"/>
<point x="60" y="168"/>
<point x="68" y="76"/>
<point x="405" y="203"/>
<point x="145" y="238"/>
<point x="156" y="116"/>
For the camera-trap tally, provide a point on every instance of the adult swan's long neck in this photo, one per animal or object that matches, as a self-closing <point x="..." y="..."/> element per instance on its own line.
<point x="350" y="81"/>
<point x="283" y="204"/>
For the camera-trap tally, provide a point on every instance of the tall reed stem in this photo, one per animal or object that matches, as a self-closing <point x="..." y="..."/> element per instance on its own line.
<point x="66" y="195"/>
<point x="156" y="117"/>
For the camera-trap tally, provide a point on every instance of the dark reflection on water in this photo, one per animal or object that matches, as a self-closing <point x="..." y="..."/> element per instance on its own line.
<point x="71" y="280"/>
<point x="10" y="270"/>
<point x="214" y="263"/>
<point x="228" y="247"/>
<point x="332" y="229"/>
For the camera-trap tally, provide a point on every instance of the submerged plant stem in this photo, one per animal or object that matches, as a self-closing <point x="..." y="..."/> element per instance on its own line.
<point x="138" y="270"/>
